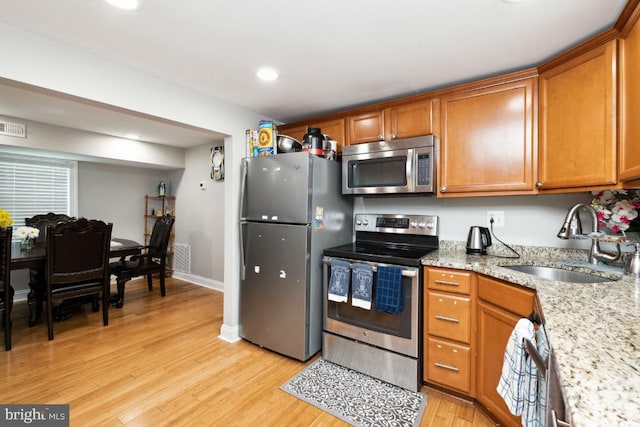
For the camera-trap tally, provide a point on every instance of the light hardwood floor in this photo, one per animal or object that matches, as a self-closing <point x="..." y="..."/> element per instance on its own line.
<point x="160" y="362"/>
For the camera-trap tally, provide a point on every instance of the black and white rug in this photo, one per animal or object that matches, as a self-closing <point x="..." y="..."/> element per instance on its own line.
<point x="356" y="398"/>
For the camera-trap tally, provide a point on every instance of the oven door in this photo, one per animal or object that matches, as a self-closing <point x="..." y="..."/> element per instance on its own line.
<point x="397" y="333"/>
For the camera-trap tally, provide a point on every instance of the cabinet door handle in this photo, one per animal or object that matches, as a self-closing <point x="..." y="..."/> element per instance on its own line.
<point x="448" y="319"/>
<point x="446" y="282"/>
<point x="442" y="365"/>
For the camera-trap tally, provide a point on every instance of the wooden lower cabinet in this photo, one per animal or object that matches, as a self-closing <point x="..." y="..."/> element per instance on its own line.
<point x="500" y="306"/>
<point x="468" y="319"/>
<point x="449" y="330"/>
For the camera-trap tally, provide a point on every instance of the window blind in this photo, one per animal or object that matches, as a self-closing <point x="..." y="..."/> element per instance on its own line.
<point x="30" y="186"/>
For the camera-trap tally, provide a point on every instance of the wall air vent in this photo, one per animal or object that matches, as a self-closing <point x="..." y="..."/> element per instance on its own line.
<point x="13" y="129"/>
<point x="182" y="258"/>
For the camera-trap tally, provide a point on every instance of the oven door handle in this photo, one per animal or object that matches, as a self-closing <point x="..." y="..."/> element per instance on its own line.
<point x="410" y="272"/>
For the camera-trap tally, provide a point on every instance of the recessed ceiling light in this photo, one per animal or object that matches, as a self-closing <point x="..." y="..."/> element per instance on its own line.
<point x="514" y="1"/>
<point x="125" y="4"/>
<point x="132" y="136"/>
<point x="267" y="74"/>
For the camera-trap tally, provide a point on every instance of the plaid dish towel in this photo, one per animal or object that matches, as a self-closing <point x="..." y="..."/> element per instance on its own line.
<point x="518" y="382"/>
<point x="537" y="413"/>
<point x="362" y="278"/>
<point x="339" y="281"/>
<point x="389" y="296"/>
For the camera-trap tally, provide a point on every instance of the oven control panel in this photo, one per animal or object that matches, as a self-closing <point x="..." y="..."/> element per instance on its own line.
<point x="403" y="224"/>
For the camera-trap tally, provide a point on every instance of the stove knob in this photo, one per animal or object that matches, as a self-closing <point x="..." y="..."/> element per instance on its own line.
<point x="365" y="222"/>
<point x="358" y="222"/>
<point x="429" y="225"/>
<point x="421" y="225"/>
<point x="414" y="224"/>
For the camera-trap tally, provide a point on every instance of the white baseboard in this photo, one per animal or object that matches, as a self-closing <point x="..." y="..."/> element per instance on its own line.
<point x="229" y="334"/>
<point x="199" y="280"/>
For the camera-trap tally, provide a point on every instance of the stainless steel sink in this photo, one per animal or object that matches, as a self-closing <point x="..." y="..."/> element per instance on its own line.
<point x="559" y="274"/>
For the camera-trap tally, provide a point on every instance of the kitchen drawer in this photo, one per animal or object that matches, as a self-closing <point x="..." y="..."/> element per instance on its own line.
<point x="449" y="280"/>
<point x="513" y="298"/>
<point x="449" y="316"/>
<point x="449" y="364"/>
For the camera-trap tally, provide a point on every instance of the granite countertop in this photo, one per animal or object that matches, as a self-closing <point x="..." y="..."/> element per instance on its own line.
<point x="594" y="328"/>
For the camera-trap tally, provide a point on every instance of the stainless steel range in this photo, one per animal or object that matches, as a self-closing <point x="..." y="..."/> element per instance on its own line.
<point x="378" y="343"/>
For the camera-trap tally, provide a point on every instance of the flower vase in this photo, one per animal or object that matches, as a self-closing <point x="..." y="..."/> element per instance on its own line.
<point x="27" y="244"/>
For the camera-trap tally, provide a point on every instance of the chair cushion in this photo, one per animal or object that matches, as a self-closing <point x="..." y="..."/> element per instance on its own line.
<point x="134" y="268"/>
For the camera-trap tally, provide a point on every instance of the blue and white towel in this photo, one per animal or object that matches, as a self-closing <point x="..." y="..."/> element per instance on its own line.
<point x="518" y="382"/>
<point x="389" y="296"/>
<point x="339" y="281"/>
<point x="362" y="279"/>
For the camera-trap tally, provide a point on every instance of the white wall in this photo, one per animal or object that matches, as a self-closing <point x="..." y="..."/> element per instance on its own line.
<point x="529" y="220"/>
<point x="200" y="216"/>
<point x="115" y="194"/>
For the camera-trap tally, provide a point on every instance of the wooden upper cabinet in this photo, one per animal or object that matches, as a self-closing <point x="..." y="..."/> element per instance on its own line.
<point x="415" y="119"/>
<point x="334" y="128"/>
<point x="630" y="101"/>
<point x="487" y="144"/>
<point x="577" y="127"/>
<point x="366" y="127"/>
<point x="296" y="132"/>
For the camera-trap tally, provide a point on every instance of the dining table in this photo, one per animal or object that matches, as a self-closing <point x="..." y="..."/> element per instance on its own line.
<point x="36" y="258"/>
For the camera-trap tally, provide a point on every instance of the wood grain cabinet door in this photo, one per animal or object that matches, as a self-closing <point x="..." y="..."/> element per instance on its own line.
<point x="500" y="306"/>
<point x="366" y="127"/>
<point x="578" y="122"/>
<point x="415" y="119"/>
<point x="487" y="144"/>
<point x="334" y="128"/>
<point x="296" y="132"/>
<point x="630" y="103"/>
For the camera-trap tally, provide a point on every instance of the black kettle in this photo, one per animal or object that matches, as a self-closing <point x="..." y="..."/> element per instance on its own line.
<point x="478" y="240"/>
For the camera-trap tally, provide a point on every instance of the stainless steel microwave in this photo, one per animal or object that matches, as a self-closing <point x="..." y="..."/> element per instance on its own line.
<point x="398" y="166"/>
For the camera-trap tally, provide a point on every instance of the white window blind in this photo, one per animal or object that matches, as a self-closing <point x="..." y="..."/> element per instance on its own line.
<point x="30" y="186"/>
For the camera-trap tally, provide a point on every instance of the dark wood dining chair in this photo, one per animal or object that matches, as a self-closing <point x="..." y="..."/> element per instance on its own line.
<point x="6" y="290"/>
<point x="152" y="261"/>
<point x="36" y="275"/>
<point x="77" y="263"/>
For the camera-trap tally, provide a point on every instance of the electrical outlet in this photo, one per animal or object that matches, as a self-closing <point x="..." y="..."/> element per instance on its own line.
<point x="498" y="218"/>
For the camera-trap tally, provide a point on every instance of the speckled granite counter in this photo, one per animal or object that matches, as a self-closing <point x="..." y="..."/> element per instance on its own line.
<point x="594" y="330"/>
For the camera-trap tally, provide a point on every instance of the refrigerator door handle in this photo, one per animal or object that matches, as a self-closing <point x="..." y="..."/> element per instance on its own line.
<point x="243" y="185"/>
<point x="243" y="264"/>
<point x="243" y="223"/>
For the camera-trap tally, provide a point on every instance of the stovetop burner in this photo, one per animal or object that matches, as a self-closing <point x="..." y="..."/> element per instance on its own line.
<point x="390" y="239"/>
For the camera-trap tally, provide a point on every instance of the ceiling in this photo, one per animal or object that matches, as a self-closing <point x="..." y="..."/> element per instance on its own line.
<point x="331" y="54"/>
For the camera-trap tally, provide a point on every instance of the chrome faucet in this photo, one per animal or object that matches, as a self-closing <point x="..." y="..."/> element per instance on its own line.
<point x="566" y="232"/>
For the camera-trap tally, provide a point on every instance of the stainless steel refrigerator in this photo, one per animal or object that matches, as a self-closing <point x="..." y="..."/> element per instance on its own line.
<point x="292" y="209"/>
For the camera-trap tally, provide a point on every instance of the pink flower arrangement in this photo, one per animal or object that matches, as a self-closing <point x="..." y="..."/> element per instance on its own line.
<point x="617" y="210"/>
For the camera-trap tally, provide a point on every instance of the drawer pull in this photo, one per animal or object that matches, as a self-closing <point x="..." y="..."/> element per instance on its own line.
<point x="442" y="365"/>
<point x="447" y="319"/>
<point x="446" y="282"/>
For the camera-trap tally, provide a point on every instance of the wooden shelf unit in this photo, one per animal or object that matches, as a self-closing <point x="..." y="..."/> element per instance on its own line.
<point x="155" y="207"/>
